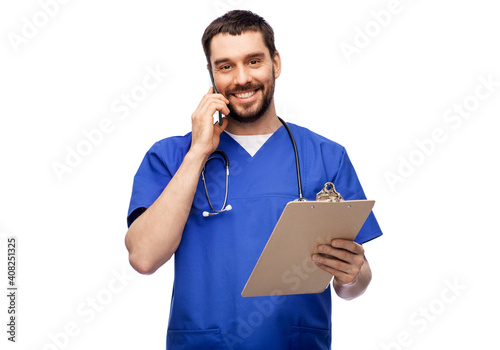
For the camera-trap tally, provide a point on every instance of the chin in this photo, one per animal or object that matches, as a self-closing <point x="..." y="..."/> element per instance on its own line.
<point x="248" y="117"/>
<point x="244" y="119"/>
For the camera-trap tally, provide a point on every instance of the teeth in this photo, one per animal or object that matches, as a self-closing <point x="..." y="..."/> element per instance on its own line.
<point x="245" y="95"/>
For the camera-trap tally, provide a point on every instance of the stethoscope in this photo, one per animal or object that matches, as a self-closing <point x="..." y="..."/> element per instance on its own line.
<point x="225" y="160"/>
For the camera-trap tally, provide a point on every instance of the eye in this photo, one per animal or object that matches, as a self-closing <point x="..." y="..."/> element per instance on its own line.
<point x="225" y="67"/>
<point x="254" y="62"/>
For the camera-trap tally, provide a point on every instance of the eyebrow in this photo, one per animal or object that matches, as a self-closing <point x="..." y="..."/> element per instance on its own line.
<point x="258" y="54"/>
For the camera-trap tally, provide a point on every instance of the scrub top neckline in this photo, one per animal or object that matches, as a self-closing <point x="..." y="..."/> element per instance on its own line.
<point x="251" y="143"/>
<point x="269" y="140"/>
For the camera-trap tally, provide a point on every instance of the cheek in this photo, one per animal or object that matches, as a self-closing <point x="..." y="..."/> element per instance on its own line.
<point x="264" y="76"/>
<point x="222" y="84"/>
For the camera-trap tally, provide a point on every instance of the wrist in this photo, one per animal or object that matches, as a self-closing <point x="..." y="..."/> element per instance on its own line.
<point x="339" y="284"/>
<point x="197" y="155"/>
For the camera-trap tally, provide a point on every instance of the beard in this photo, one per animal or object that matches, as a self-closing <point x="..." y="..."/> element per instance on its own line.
<point x="253" y="113"/>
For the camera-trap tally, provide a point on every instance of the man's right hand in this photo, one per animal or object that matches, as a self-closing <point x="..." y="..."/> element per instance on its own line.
<point x="154" y="236"/>
<point x="206" y="135"/>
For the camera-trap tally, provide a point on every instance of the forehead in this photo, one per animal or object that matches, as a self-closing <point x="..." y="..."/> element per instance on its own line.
<point x="233" y="47"/>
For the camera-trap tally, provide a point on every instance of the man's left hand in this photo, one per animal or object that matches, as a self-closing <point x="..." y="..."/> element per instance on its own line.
<point x="343" y="259"/>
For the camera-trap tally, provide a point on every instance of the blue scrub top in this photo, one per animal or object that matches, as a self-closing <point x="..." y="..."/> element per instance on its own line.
<point x="217" y="254"/>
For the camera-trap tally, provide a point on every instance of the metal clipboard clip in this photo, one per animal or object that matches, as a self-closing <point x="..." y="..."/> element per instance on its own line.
<point x="329" y="194"/>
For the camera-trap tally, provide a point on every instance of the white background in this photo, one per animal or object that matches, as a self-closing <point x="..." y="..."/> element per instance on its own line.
<point x="61" y="76"/>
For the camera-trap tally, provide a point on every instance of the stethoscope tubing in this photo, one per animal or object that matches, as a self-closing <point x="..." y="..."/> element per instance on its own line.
<point x="226" y="165"/>
<point x="297" y="164"/>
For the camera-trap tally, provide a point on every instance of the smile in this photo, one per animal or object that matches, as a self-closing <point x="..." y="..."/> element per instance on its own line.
<point x="245" y="95"/>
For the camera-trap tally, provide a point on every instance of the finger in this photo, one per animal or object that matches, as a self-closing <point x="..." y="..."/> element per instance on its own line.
<point x="220" y="128"/>
<point x="212" y="93"/>
<point x="222" y="97"/>
<point x="226" y="101"/>
<point x="339" y="259"/>
<point x="225" y="109"/>
<point x="336" y="253"/>
<point x="213" y="103"/>
<point x="343" y="273"/>
<point x="208" y="97"/>
<point x="333" y="265"/>
<point x="340" y="276"/>
<point x="351" y="246"/>
<point x="207" y="108"/>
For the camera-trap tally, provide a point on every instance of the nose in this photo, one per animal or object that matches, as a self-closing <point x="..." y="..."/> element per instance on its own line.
<point x="242" y="76"/>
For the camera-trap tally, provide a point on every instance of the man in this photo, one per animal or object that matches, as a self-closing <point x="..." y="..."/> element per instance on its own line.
<point x="215" y="254"/>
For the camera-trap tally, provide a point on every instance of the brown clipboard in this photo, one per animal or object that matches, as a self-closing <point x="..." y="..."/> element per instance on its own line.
<point x="285" y="266"/>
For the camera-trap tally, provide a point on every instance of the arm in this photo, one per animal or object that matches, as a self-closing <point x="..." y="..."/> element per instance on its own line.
<point x="154" y="236"/>
<point x="348" y="265"/>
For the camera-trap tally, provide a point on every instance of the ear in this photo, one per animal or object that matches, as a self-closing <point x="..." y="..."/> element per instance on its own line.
<point x="277" y="64"/>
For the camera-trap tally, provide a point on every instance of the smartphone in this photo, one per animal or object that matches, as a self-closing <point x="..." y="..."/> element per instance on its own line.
<point x="215" y="91"/>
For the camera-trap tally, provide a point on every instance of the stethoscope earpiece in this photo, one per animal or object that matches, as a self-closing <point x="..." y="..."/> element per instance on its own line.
<point x="226" y="208"/>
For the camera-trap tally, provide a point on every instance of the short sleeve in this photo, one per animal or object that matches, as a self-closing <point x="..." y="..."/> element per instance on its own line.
<point x="347" y="184"/>
<point x="150" y="180"/>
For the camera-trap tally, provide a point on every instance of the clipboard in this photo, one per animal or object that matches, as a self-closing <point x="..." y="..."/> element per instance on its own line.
<point x="285" y="266"/>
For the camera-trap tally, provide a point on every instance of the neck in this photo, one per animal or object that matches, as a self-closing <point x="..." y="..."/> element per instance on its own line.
<point x="267" y="124"/>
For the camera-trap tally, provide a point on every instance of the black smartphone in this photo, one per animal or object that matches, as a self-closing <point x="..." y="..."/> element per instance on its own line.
<point x="215" y="91"/>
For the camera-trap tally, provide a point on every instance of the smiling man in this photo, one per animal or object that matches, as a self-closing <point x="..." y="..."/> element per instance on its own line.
<point x="216" y="251"/>
<point x="250" y="86"/>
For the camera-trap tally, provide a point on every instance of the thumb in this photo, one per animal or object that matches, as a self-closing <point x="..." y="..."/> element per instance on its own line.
<point x="218" y="129"/>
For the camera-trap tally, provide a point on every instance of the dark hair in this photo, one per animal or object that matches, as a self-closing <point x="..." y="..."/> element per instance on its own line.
<point x="236" y="22"/>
